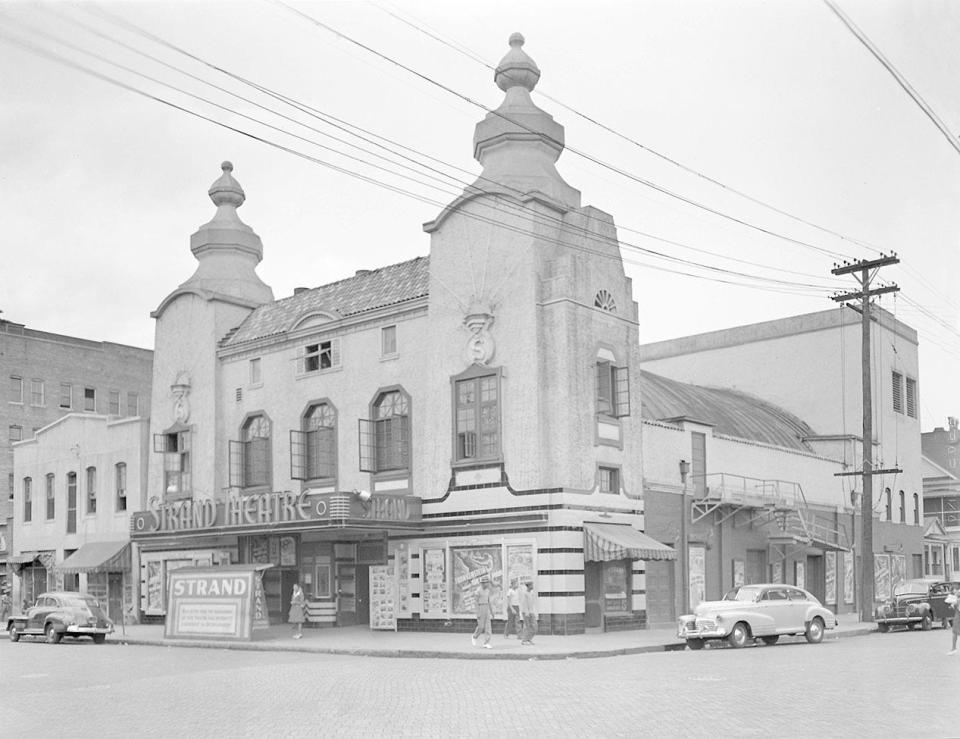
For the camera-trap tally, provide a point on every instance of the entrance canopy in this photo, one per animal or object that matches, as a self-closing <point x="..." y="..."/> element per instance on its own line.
<point x="603" y="542"/>
<point x="99" y="556"/>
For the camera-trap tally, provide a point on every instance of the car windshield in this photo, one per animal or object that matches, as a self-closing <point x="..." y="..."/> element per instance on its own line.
<point x="910" y="587"/>
<point x="746" y="594"/>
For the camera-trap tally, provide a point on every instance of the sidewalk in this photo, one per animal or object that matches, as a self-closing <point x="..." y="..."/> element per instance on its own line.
<point x="361" y="641"/>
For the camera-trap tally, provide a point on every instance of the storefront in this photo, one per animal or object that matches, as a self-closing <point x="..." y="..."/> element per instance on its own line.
<point x="106" y="568"/>
<point x="33" y="576"/>
<point x="326" y="542"/>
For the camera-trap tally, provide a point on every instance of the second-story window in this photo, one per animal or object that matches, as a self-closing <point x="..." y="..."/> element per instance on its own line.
<point x="120" y="485"/>
<point x="91" y="489"/>
<point x="133" y="404"/>
<point x="51" y="496"/>
<point x="36" y="393"/>
<point x="66" y="395"/>
<point x="911" y="397"/>
<point x="256" y="377"/>
<point x="903" y="507"/>
<point x="90" y="399"/>
<point x="889" y="506"/>
<point x="16" y="389"/>
<point x="388" y="341"/>
<point x="385" y="439"/>
<point x="175" y="447"/>
<point x="313" y="449"/>
<point x="250" y="458"/>
<point x="609" y="480"/>
<point x="613" y="390"/>
<point x="71" y="502"/>
<point x="916" y="508"/>
<point x="477" y="420"/>
<point x="114" y="403"/>
<point x="896" y="380"/>
<point x="27" y="499"/>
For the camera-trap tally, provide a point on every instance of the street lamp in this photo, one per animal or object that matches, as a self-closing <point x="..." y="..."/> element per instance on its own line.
<point x="684" y="567"/>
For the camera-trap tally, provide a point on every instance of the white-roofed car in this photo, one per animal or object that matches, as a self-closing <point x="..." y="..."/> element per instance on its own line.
<point x="764" y="611"/>
<point x="59" y="614"/>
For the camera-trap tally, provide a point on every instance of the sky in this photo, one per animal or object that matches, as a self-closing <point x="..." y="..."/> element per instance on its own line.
<point x="758" y="142"/>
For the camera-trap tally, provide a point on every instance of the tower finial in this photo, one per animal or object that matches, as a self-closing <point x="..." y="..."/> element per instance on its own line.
<point x="226" y="190"/>
<point x="517" y="69"/>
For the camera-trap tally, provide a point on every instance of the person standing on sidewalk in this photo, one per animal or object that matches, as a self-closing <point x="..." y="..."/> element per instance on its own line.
<point x="513" y="610"/>
<point x="484" y="615"/>
<point x="528" y="607"/>
<point x="298" y="610"/>
<point x="956" y="619"/>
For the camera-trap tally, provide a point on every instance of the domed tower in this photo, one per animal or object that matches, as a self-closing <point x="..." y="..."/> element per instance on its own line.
<point x="190" y="322"/>
<point x="528" y="297"/>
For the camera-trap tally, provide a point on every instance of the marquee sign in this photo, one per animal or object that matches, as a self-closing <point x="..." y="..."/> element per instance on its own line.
<point x="274" y="509"/>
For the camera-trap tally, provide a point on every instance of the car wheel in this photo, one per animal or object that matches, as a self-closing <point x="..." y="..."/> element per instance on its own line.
<point x="13" y="632"/>
<point x="771" y="640"/>
<point x="927" y="623"/>
<point x="695" y="644"/>
<point x="911" y="626"/>
<point x="883" y="628"/>
<point x="53" y="637"/>
<point x="815" y="631"/>
<point x="99" y="638"/>
<point x="738" y="636"/>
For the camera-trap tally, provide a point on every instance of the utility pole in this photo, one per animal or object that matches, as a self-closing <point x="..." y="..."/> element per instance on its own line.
<point x="867" y="270"/>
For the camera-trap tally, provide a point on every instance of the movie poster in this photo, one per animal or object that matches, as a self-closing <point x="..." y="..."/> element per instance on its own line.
<point x="433" y="582"/>
<point x="881" y="576"/>
<point x="848" y="577"/>
<point x="470" y="565"/>
<point x="830" y="560"/>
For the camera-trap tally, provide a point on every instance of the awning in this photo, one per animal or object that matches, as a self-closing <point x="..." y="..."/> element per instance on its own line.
<point x="44" y="559"/>
<point x="603" y="542"/>
<point x="99" y="556"/>
<point x="21" y="559"/>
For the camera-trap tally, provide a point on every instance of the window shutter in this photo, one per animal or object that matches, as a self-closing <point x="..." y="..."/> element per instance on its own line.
<point x="323" y="453"/>
<point x="236" y="464"/>
<point x="301" y="367"/>
<point x="334" y="352"/>
<point x="621" y="392"/>
<point x="897" y="379"/>
<point x="603" y="387"/>
<point x="298" y="455"/>
<point x="159" y="443"/>
<point x="368" y="445"/>
<point x="911" y="398"/>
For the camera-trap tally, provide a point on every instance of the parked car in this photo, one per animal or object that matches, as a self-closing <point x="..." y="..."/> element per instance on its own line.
<point x="57" y="615"/>
<point x="916" y="602"/>
<point x="765" y="611"/>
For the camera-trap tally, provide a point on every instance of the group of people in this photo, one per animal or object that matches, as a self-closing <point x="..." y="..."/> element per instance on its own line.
<point x="522" y="613"/>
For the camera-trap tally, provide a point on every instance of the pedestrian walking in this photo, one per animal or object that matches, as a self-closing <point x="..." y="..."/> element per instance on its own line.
<point x="6" y="607"/>
<point x="298" y="610"/>
<point x="484" y="615"/>
<point x="530" y="611"/>
<point x="513" y="610"/>
<point x="954" y="600"/>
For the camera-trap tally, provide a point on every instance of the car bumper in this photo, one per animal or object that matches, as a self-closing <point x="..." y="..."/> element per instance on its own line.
<point x="701" y="630"/>
<point x="899" y="619"/>
<point x="73" y="629"/>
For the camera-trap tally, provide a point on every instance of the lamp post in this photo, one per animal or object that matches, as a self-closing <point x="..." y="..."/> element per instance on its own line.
<point x="684" y="566"/>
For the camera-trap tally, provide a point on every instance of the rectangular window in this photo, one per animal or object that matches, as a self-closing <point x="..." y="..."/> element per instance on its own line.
<point x="51" y="497"/>
<point x="175" y="447"/>
<point x="16" y="389"/>
<point x="66" y="395"/>
<point x="90" y="399"/>
<point x="27" y="499"/>
<point x="114" y="403"/>
<point x="897" y="381"/>
<point x="71" y="502"/>
<point x="255" y="376"/>
<point x="911" y="398"/>
<point x="613" y="390"/>
<point x="36" y="393"/>
<point x="15" y="433"/>
<point x="610" y="480"/>
<point x="317" y="357"/>
<point x="478" y="418"/>
<point x="388" y="341"/>
<point x="120" y="477"/>
<point x="91" y="489"/>
<point x="133" y="404"/>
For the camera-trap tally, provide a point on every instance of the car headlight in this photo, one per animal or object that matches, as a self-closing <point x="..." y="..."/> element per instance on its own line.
<point x="912" y="609"/>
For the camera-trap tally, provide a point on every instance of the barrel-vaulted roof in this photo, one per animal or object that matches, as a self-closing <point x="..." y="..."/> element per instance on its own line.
<point x="730" y="412"/>
<point x="365" y="291"/>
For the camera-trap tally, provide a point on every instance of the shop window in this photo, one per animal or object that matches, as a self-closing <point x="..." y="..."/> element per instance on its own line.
<point x="91" y="489"/>
<point x="897" y="382"/>
<point x="66" y="395"/>
<point x="385" y="439"/>
<point x="477" y="424"/>
<point x="120" y="483"/>
<point x="90" y="399"/>
<point x="36" y="393"/>
<point x="114" y="403"/>
<point x="27" y="499"/>
<point x="388" y="341"/>
<point x="313" y="449"/>
<point x="911" y="397"/>
<point x="16" y="389"/>
<point x="613" y="390"/>
<point x="71" y="502"/>
<point x="51" y="496"/>
<point x="610" y="480"/>
<point x="319" y="356"/>
<point x="175" y="447"/>
<point x="616" y="586"/>
<point x="250" y="457"/>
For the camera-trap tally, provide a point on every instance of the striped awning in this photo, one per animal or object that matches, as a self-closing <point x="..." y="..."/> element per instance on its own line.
<point x="98" y="556"/>
<point x="44" y="559"/>
<point x="603" y="542"/>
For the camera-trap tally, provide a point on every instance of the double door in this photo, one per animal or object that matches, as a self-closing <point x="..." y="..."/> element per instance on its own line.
<point x="353" y="595"/>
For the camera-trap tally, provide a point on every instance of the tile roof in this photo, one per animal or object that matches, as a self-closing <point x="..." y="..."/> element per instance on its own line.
<point x="379" y="288"/>
<point x="730" y="412"/>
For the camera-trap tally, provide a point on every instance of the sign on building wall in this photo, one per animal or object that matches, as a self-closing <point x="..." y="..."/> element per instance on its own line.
<point x="830" y="561"/>
<point x="848" y="565"/>
<point x="433" y="578"/>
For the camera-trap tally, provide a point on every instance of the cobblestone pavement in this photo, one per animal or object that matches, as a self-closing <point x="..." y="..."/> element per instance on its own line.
<point x="898" y="684"/>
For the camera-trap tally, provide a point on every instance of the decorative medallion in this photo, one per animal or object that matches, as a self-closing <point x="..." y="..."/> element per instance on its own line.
<point x="480" y="345"/>
<point x="180" y="389"/>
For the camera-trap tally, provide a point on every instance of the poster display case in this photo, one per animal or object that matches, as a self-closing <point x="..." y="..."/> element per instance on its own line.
<point x="383" y="597"/>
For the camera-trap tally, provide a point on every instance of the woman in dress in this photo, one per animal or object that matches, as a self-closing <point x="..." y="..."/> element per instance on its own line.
<point x="298" y="611"/>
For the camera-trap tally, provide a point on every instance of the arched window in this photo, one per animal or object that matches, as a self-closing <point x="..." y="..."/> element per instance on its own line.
<point x="903" y="507"/>
<point x="27" y="499"/>
<point x="889" y="509"/>
<point x="91" y="489"/>
<point x="71" y="502"/>
<point x="51" y="496"/>
<point x="313" y="449"/>
<point x="251" y="456"/>
<point x="385" y="439"/>
<point x="916" y="508"/>
<point x="120" y="484"/>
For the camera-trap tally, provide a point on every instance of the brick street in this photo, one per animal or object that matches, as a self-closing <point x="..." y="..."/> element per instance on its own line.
<point x="900" y="684"/>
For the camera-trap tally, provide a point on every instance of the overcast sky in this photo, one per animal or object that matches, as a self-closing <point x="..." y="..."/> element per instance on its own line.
<point x="101" y="187"/>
